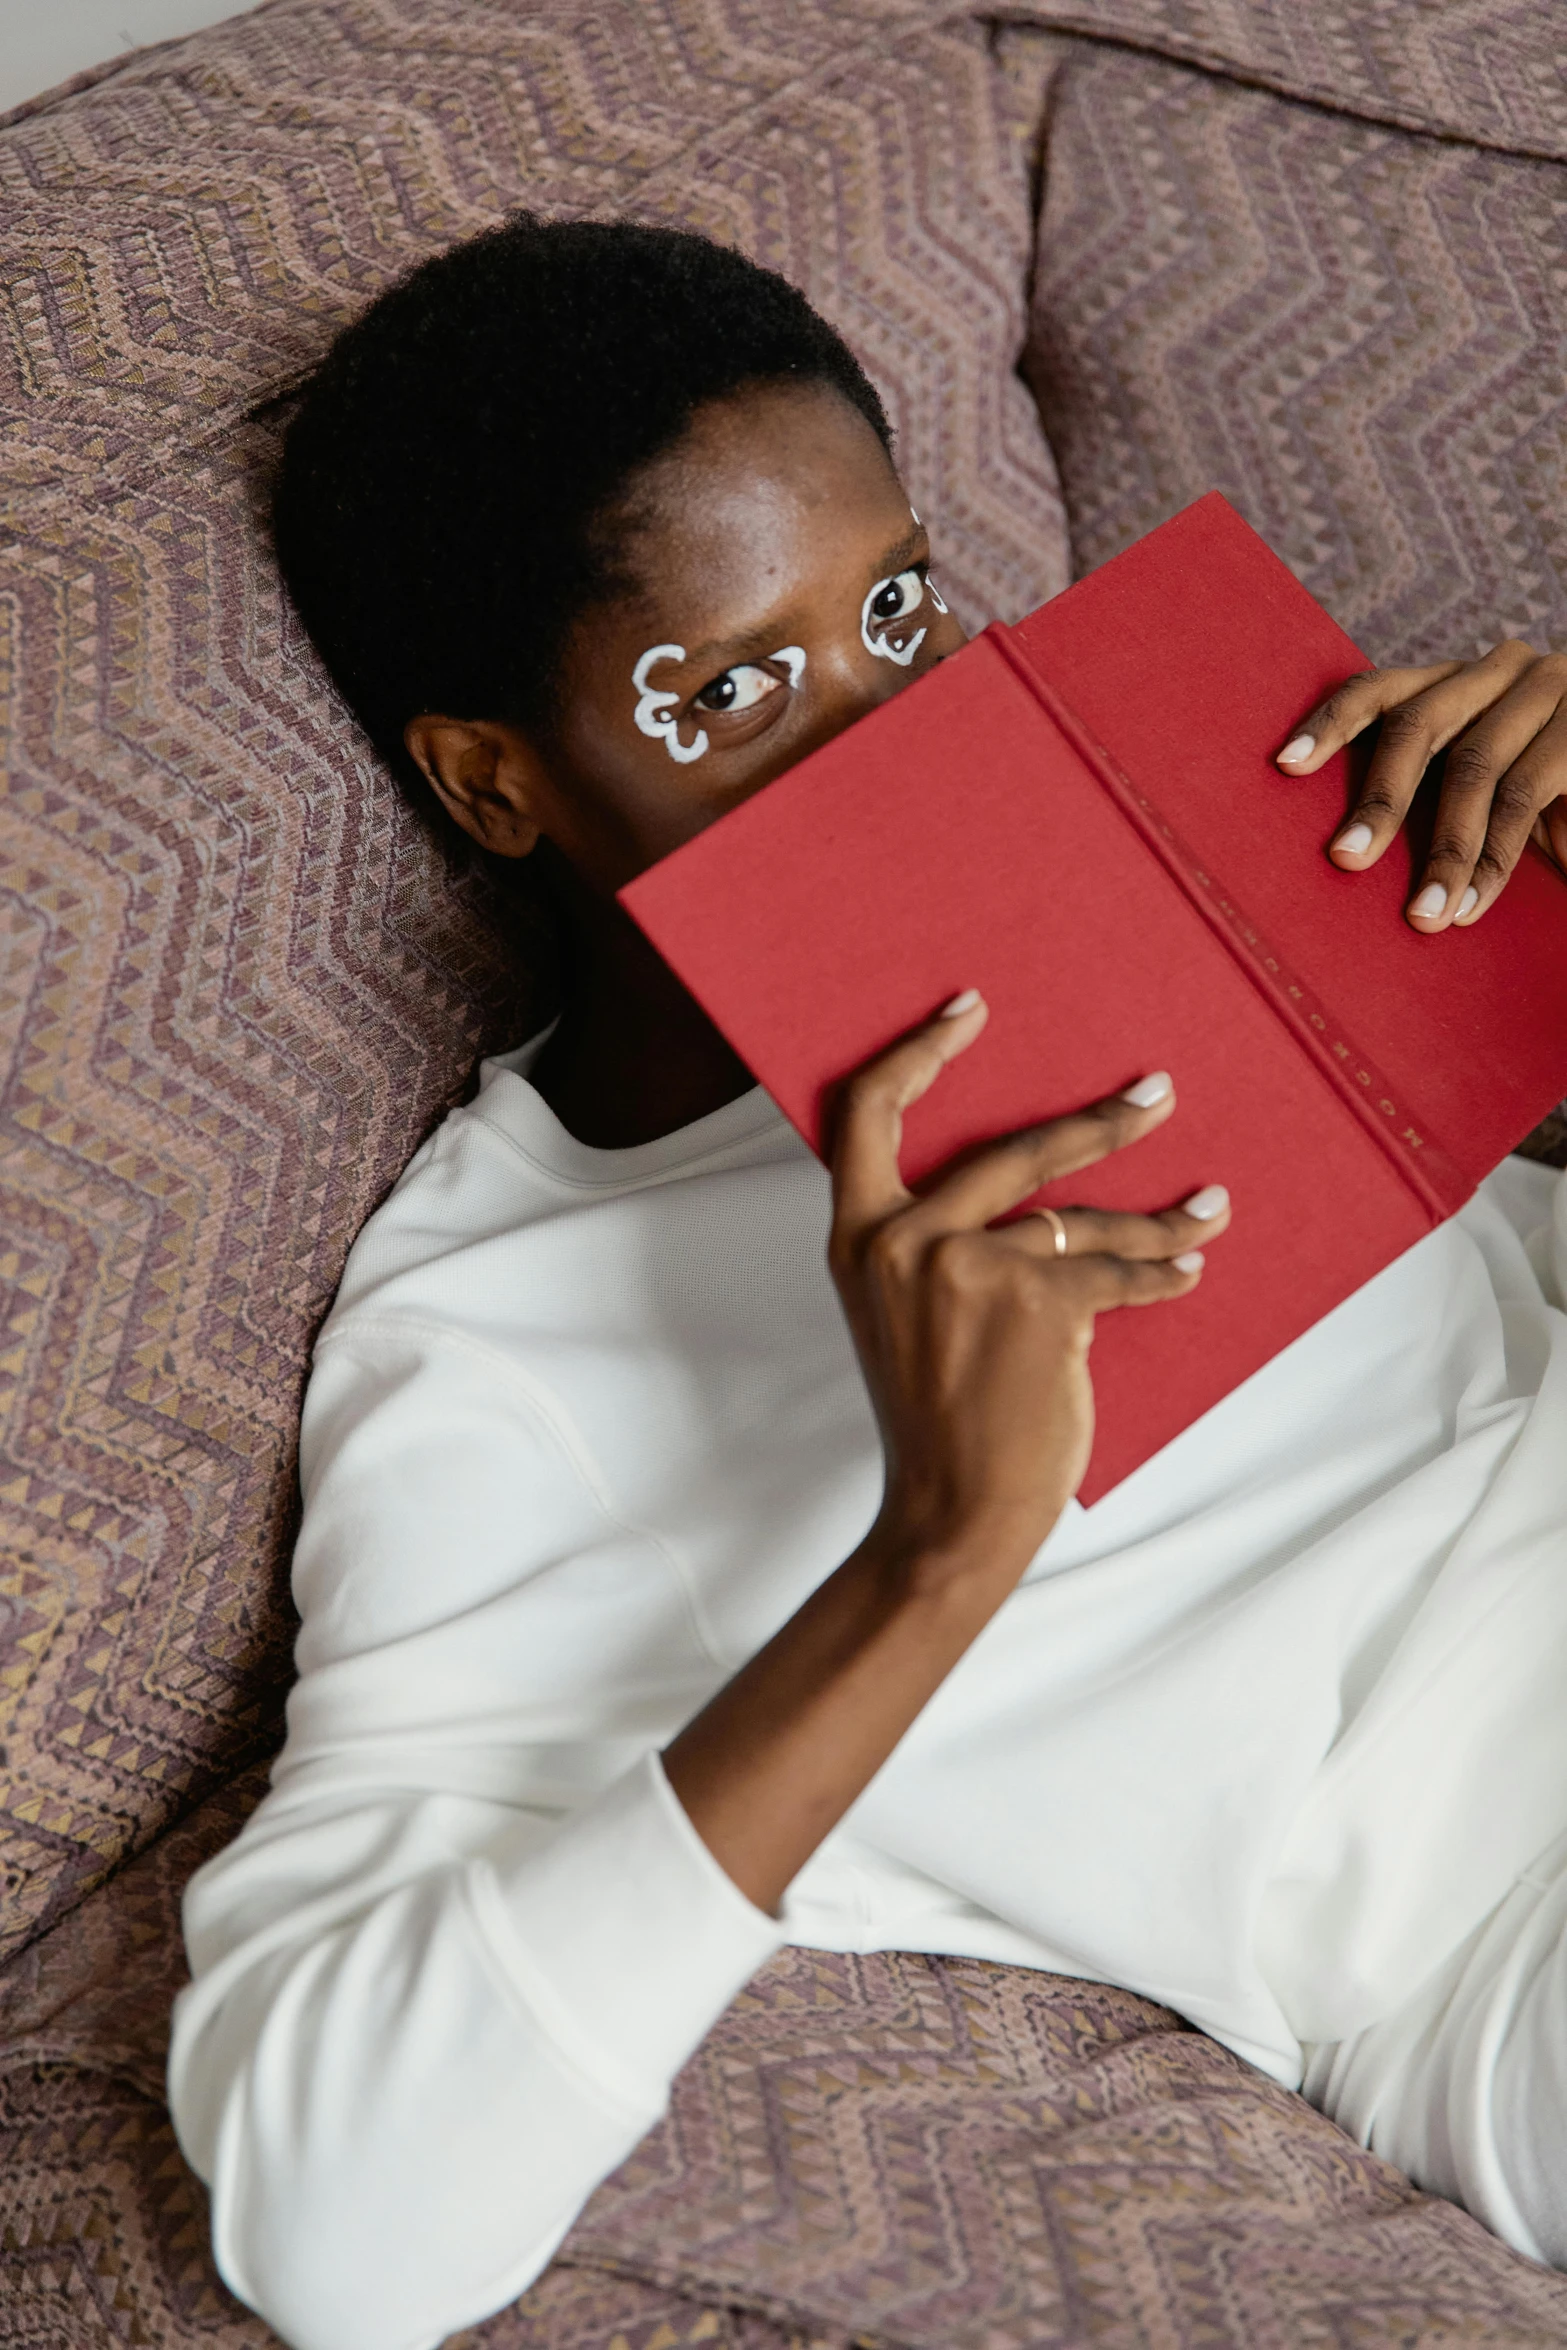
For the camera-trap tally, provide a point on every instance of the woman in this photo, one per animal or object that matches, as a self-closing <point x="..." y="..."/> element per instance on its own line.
<point x="665" y="1599"/>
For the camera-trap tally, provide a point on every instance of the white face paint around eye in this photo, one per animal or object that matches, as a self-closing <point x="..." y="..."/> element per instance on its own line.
<point x="653" y="707"/>
<point x="907" y="589"/>
<point x="931" y="588"/>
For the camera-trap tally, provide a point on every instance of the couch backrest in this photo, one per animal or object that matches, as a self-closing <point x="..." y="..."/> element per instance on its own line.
<point x="1259" y="280"/>
<point x="1486" y="72"/>
<point x="237" y="983"/>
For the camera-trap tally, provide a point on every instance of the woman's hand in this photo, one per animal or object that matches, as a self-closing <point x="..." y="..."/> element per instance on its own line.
<point x="975" y="1347"/>
<point x="1502" y="721"/>
<point x="974" y="1341"/>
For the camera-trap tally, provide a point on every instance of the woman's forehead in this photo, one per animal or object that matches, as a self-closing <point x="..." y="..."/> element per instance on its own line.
<point x="791" y="502"/>
<point x="769" y="475"/>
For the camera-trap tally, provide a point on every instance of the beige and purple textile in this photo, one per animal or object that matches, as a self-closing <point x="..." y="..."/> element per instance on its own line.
<point x="1099" y="257"/>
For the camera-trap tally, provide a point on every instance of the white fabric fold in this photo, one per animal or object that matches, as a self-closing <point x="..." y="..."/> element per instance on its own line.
<point x="632" y="1937"/>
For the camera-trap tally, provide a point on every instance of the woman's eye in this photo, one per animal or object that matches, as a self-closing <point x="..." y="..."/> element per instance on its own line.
<point x="740" y="688"/>
<point x="896" y="598"/>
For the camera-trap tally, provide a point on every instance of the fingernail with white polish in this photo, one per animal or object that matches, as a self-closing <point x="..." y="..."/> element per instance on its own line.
<point x="1354" y="837"/>
<point x="1467" y="904"/>
<point x="1148" y="1090"/>
<point x="1212" y="1200"/>
<point x="960" y="1004"/>
<point x="1430" y="903"/>
<point x="1301" y="748"/>
<point x="1191" y="1262"/>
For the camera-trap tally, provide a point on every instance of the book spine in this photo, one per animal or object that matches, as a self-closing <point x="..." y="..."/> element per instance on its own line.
<point x="1430" y="1174"/>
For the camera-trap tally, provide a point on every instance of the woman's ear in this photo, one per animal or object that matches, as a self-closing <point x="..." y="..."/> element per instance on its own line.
<point x="486" y="776"/>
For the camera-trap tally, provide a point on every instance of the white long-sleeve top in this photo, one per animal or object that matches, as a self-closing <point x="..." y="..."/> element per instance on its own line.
<point x="1262" y="1735"/>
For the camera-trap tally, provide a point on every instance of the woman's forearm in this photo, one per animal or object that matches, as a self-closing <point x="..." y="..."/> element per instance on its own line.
<point x="771" y="1765"/>
<point x="973" y="1332"/>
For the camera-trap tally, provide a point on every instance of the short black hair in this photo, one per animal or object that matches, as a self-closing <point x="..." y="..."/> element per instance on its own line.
<point x="441" y="509"/>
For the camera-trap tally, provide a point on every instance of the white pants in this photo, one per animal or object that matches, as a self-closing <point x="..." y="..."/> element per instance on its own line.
<point x="1465" y="2086"/>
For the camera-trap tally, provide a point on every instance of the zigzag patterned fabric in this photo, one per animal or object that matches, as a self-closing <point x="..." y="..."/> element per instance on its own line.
<point x="1353" y="333"/>
<point x="1487" y="72"/>
<point x="900" y="2152"/>
<point x="238" y="982"/>
<point x="1311" y="255"/>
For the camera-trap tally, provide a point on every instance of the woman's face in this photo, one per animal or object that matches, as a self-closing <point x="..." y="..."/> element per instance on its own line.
<point x="781" y="591"/>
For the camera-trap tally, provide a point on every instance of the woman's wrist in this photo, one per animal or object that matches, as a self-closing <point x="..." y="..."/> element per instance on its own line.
<point x="928" y="1552"/>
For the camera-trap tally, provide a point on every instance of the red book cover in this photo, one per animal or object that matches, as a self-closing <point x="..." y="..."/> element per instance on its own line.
<point x="1081" y="816"/>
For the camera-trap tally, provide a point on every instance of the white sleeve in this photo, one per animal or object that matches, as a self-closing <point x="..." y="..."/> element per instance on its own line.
<point x="402" y="2097"/>
<point x="424" y="2025"/>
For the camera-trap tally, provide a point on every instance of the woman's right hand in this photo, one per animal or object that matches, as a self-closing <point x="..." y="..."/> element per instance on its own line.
<point x="974" y="1341"/>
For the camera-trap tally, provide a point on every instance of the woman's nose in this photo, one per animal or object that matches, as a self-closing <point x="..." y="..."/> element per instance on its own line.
<point x="849" y="684"/>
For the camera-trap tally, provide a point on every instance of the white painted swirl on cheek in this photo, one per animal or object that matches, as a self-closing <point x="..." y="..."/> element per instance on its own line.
<point x="878" y="646"/>
<point x="653" y="706"/>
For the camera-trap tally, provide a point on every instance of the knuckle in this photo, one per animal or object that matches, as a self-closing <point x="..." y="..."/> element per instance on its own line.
<point x="1471" y="766"/>
<point x="1494" y="863"/>
<point x="954" y="1262"/>
<point x="1377" y="802"/>
<point x="1028" y="1158"/>
<point x="1346" y="700"/>
<point x="1407" y="726"/>
<point x="867" y="1090"/>
<point x="1110" y="1120"/>
<point x="1136" y="1238"/>
<point x="891" y="1250"/>
<point x="1450" y="849"/>
<point x="1516" y="799"/>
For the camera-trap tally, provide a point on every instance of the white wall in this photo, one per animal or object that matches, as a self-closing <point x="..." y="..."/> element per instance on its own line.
<point x="45" y="41"/>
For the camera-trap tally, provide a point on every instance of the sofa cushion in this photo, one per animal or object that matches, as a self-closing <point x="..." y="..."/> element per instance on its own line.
<point x="237" y="979"/>
<point x="1487" y="72"/>
<point x="1356" y="335"/>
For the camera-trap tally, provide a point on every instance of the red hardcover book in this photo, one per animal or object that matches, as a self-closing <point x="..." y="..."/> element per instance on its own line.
<point x="1082" y="817"/>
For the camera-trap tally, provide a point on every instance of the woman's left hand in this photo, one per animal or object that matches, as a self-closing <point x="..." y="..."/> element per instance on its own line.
<point x="1502" y="721"/>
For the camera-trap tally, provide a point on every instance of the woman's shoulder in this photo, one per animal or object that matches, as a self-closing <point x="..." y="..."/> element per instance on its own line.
<point x="500" y="1170"/>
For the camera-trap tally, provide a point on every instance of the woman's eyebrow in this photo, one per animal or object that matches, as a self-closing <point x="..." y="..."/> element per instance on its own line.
<point x="732" y="650"/>
<point x="893" y="561"/>
<point x="744" y="645"/>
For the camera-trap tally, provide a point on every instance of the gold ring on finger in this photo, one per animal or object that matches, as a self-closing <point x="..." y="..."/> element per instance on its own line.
<point x="1057" y="1227"/>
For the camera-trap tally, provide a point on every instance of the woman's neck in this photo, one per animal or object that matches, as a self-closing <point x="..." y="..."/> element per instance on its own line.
<point x="634" y="1057"/>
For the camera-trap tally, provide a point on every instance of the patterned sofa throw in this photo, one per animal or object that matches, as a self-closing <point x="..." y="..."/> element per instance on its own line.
<point x="886" y="2153"/>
